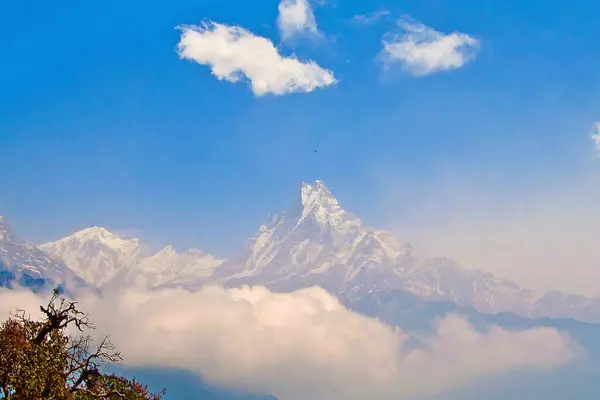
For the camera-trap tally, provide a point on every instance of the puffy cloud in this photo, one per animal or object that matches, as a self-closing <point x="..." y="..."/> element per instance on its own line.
<point x="234" y="53"/>
<point x="596" y="136"/>
<point x="305" y="344"/>
<point x="370" y="18"/>
<point x="422" y="50"/>
<point x="296" y="17"/>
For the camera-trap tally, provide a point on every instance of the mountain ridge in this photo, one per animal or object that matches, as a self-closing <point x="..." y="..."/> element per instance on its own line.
<point x="94" y="253"/>
<point x="315" y="242"/>
<point x="23" y="263"/>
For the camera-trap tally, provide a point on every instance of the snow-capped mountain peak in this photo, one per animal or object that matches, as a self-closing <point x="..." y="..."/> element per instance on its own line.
<point x="19" y="257"/>
<point x="95" y="254"/>
<point x="102" y="236"/>
<point x="320" y="206"/>
<point x="319" y="243"/>
<point x="168" y="267"/>
<point x="167" y="251"/>
<point x="102" y="258"/>
<point x="316" y="237"/>
<point x="316" y="193"/>
<point x="315" y="242"/>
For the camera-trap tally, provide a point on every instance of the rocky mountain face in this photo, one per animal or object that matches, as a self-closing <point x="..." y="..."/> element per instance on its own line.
<point x="315" y="242"/>
<point x="23" y="263"/>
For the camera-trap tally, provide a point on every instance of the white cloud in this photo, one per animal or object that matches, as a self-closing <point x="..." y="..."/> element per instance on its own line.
<point x="234" y="53"/>
<point x="370" y="18"/>
<point x="296" y="17"/>
<point x="596" y="136"/>
<point x="11" y="300"/>
<point x="422" y="50"/>
<point x="304" y="344"/>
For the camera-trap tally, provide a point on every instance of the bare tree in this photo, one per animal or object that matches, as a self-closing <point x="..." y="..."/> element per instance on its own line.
<point x="39" y="360"/>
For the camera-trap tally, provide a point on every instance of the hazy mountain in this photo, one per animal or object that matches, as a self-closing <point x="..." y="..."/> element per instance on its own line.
<point x="101" y="257"/>
<point x="23" y="263"/>
<point x="168" y="268"/>
<point x="315" y="242"/>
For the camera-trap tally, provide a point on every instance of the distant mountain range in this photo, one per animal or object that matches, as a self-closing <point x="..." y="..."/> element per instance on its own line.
<point x="315" y="242"/>
<point x="21" y="262"/>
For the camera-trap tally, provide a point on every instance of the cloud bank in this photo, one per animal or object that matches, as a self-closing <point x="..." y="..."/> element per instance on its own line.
<point x="303" y="344"/>
<point x="234" y="53"/>
<point x="422" y="50"/>
<point x="295" y="18"/>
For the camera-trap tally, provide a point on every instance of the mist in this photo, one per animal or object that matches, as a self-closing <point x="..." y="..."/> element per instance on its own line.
<point x="542" y="235"/>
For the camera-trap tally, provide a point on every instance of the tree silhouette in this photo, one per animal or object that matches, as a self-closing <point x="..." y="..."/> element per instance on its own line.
<point x="39" y="360"/>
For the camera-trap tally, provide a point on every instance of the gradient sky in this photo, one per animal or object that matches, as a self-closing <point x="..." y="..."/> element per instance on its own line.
<point x="102" y="123"/>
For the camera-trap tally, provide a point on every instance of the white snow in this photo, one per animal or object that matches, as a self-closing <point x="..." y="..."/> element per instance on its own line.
<point x="318" y="242"/>
<point x="100" y="257"/>
<point x="95" y="254"/>
<point x="19" y="256"/>
<point x="167" y="267"/>
<point x="315" y="242"/>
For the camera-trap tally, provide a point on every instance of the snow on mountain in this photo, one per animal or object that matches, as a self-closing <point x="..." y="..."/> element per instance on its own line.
<point x="314" y="237"/>
<point x="316" y="242"/>
<point x="168" y="268"/>
<point x="102" y="258"/>
<point x="95" y="254"/>
<point x="21" y="259"/>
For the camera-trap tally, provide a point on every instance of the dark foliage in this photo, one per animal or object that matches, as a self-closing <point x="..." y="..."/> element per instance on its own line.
<point x="39" y="360"/>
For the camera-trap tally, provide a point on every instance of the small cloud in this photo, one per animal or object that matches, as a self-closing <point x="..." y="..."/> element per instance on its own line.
<point x="422" y="50"/>
<point x="234" y="53"/>
<point x="370" y="18"/>
<point x="295" y="18"/>
<point x="596" y="136"/>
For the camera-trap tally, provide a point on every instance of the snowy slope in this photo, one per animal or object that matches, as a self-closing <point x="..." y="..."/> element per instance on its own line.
<point x="315" y="239"/>
<point x="316" y="242"/>
<point x="168" y="268"/>
<point x="102" y="258"/>
<point x="95" y="254"/>
<point x="19" y="257"/>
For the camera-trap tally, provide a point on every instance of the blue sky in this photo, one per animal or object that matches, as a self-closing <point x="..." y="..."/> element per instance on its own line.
<point x="102" y="123"/>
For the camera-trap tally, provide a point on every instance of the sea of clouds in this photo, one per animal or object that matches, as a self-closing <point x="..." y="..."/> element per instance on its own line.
<point x="303" y="344"/>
